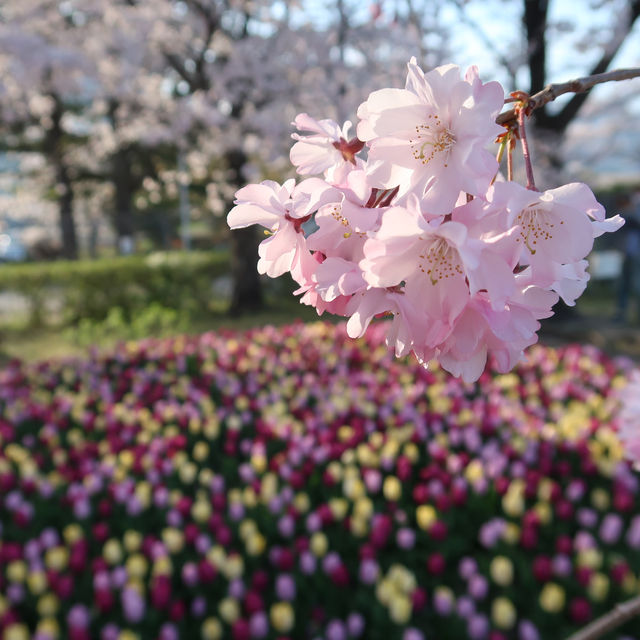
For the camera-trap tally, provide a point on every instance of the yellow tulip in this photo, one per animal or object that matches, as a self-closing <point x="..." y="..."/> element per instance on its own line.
<point x="282" y="617"/>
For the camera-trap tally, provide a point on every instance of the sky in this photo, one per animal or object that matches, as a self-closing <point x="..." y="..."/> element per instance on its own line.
<point x="569" y="19"/>
<point x="500" y="20"/>
<point x="575" y="26"/>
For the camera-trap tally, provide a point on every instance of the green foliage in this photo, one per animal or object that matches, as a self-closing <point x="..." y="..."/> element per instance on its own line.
<point x="154" y="320"/>
<point x="91" y="289"/>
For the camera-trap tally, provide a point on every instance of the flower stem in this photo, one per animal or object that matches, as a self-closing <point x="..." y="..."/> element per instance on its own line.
<point x="499" y="156"/>
<point x="503" y="144"/>
<point x="525" y="149"/>
<point x="510" y="159"/>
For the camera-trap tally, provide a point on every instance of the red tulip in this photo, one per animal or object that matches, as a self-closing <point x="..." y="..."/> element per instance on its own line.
<point x="436" y="564"/>
<point x="580" y="610"/>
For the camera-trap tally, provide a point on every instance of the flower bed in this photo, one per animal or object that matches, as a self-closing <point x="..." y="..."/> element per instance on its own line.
<point x="293" y="483"/>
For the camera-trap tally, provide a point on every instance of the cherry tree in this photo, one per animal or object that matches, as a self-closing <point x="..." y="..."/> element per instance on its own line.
<point x="83" y="88"/>
<point x="131" y="114"/>
<point x="188" y="79"/>
<point x="240" y="109"/>
<point x="45" y="78"/>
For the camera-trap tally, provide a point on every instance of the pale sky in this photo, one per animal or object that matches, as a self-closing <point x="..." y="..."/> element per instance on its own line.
<point x="568" y="19"/>
<point x="501" y="22"/>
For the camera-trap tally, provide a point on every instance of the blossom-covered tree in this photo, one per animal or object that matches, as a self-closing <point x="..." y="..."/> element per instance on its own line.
<point x="216" y="52"/>
<point x="45" y="78"/>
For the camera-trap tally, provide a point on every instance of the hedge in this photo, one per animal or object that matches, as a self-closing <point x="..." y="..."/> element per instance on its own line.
<point x="90" y="288"/>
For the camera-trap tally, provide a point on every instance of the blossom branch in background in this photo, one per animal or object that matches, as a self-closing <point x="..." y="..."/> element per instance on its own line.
<point x="610" y="621"/>
<point x="579" y="85"/>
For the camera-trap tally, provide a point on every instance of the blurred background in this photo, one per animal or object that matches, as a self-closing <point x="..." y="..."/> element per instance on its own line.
<point x="126" y="126"/>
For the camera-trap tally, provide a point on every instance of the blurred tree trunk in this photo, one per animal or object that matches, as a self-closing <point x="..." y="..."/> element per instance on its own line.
<point x="123" y="186"/>
<point x="67" y="223"/>
<point x="246" y="293"/>
<point x="122" y="178"/>
<point x="53" y="148"/>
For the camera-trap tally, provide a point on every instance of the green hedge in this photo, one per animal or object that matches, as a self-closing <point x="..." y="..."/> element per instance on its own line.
<point x="90" y="288"/>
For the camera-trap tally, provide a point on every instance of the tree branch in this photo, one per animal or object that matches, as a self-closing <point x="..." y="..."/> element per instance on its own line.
<point x="610" y="621"/>
<point x="535" y="24"/>
<point x="579" y="85"/>
<point x="561" y="120"/>
<point x="177" y="64"/>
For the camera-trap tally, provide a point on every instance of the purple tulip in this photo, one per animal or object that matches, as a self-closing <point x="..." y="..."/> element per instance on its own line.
<point x="478" y="627"/>
<point x="611" y="528"/>
<point x="478" y="587"/>
<point x="133" y="605"/>
<point x="406" y="538"/>
<point x="308" y="563"/>
<point x="467" y="567"/>
<point x="336" y="630"/>
<point x="369" y="571"/>
<point x="78" y="617"/>
<point x="527" y="631"/>
<point x="285" y="587"/>
<point x="355" y="624"/>
<point x="259" y="625"/>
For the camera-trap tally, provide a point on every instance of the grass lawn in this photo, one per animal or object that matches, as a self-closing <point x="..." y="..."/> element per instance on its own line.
<point x="32" y="344"/>
<point x="590" y="322"/>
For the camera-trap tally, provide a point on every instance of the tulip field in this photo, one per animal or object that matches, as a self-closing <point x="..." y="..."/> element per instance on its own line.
<point x="294" y="483"/>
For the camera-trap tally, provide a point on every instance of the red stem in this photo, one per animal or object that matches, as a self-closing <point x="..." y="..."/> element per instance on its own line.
<point x="525" y="150"/>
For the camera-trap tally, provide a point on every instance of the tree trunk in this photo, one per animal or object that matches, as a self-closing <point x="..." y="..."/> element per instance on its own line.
<point x="53" y="148"/>
<point x="246" y="293"/>
<point x="65" y="208"/>
<point x="123" y="215"/>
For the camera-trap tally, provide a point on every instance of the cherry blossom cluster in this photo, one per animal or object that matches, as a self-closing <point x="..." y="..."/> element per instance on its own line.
<point x="411" y="219"/>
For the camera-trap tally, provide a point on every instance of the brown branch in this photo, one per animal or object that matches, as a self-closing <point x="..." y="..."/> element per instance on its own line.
<point x="561" y="120"/>
<point x="579" y="85"/>
<point x="525" y="149"/>
<point x="177" y="64"/>
<point x="610" y="621"/>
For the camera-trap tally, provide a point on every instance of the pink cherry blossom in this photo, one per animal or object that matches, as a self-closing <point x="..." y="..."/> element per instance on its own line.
<point x="374" y="302"/>
<point x="480" y="331"/>
<point x="343" y="225"/>
<point x="282" y="209"/>
<point x="556" y="227"/>
<point x="336" y="276"/>
<point x="338" y="241"/>
<point x="329" y="149"/>
<point x="430" y="137"/>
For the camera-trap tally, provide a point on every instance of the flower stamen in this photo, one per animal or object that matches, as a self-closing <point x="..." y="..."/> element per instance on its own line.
<point x="440" y="261"/>
<point x="432" y="139"/>
<point x="536" y="227"/>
